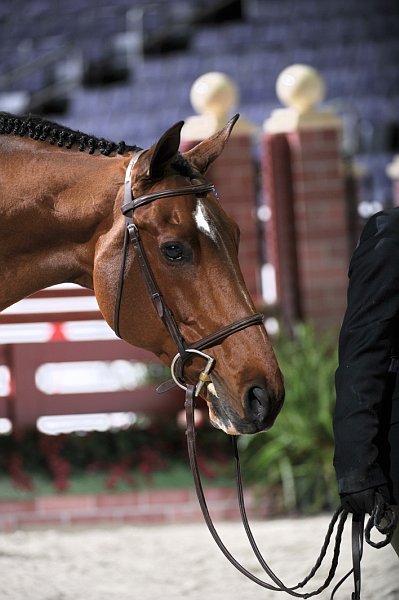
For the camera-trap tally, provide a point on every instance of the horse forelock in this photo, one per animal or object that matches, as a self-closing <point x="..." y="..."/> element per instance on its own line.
<point x="183" y="167"/>
<point x="38" y="128"/>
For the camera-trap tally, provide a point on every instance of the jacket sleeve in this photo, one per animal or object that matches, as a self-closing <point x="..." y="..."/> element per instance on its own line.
<point x="366" y="344"/>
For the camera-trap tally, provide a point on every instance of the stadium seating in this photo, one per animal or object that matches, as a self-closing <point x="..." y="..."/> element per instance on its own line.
<point x="353" y="43"/>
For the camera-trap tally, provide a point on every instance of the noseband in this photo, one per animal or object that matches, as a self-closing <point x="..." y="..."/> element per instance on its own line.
<point x="185" y="351"/>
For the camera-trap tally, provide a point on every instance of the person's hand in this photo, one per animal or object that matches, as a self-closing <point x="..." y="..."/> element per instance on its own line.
<point x="363" y="502"/>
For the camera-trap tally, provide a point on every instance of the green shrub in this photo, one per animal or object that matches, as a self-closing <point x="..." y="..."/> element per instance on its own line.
<point x="296" y="454"/>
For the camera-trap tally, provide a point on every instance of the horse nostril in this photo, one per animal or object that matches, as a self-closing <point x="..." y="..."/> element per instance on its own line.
<point x="258" y="404"/>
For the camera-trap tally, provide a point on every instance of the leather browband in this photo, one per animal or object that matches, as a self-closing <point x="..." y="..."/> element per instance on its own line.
<point x="198" y="190"/>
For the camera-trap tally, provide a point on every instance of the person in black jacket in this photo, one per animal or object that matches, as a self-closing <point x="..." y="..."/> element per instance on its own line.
<point x="366" y="419"/>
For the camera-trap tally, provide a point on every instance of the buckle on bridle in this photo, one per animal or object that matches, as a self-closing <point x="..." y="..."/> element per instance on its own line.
<point x="203" y="376"/>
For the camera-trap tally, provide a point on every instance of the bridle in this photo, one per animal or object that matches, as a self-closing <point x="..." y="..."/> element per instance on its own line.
<point x="185" y="351"/>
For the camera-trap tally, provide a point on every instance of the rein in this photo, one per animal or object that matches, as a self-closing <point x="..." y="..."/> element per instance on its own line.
<point x="382" y="518"/>
<point x="185" y="352"/>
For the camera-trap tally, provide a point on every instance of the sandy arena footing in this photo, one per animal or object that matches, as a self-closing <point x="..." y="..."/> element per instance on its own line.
<point x="173" y="562"/>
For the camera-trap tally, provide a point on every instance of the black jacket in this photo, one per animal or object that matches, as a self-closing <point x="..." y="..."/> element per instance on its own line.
<point x="366" y="420"/>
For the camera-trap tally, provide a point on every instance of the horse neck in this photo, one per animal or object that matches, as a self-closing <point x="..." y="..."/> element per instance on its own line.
<point x="55" y="204"/>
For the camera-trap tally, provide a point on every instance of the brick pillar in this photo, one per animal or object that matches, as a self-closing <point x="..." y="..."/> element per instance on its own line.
<point x="307" y="234"/>
<point x="234" y="172"/>
<point x="280" y="230"/>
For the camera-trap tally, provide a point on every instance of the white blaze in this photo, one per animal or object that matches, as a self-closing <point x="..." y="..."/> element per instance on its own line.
<point x="203" y="222"/>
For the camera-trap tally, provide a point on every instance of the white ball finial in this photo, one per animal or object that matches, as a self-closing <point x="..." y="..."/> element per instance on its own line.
<point x="214" y="93"/>
<point x="300" y="87"/>
<point x="214" y="96"/>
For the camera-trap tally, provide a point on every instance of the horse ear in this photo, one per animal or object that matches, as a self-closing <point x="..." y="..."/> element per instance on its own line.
<point x="165" y="150"/>
<point x="204" y="153"/>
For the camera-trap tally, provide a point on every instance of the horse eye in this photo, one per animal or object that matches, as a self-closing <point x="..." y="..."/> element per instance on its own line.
<point x="173" y="251"/>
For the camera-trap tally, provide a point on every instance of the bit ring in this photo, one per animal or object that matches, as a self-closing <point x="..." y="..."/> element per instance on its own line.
<point x="203" y="376"/>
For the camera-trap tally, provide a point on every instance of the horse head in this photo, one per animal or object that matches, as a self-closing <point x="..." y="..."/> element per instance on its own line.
<point x="191" y="245"/>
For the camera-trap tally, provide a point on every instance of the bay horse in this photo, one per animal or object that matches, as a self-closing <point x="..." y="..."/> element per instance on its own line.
<point x="61" y="194"/>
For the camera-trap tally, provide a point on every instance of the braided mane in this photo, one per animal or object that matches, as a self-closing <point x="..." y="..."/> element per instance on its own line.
<point x="38" y="128"/>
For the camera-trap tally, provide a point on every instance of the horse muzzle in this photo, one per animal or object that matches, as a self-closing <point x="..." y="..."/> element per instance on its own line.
<point x="260" y="407"/>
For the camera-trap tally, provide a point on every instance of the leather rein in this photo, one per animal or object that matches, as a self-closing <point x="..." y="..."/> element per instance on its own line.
<point x="184" y="354"/>
<point x="383" y="518"/>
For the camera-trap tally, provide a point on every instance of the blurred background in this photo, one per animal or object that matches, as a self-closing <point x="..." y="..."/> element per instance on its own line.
<point x="76" y="404"/>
